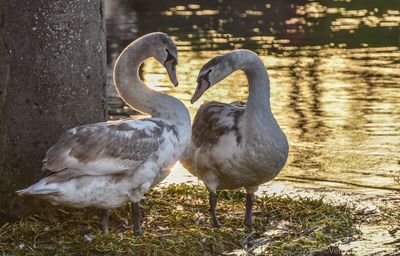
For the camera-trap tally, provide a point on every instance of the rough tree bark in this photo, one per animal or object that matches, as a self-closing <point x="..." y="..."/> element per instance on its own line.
<point x="52" y="78"/>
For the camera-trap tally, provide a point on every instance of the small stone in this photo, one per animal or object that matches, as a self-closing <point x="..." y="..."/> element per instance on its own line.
<point x="88" y="237"/>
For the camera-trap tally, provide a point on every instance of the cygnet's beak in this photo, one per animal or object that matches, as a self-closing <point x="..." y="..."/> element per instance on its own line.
<point x="170" y="66"/>
<point x="202" y="86"/>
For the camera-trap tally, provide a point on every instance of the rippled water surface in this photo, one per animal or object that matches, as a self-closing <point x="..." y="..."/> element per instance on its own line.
<point x="334" y="68"/>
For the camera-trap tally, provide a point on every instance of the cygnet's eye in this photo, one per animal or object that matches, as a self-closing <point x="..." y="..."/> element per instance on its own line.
<point x="170" y="57"/>
<point x="206" y="74"/>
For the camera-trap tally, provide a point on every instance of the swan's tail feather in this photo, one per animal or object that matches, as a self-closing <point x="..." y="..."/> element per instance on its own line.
<point x="39" y="189"/>
<point x="22" y="192"/>
<point x="30" y="192"/>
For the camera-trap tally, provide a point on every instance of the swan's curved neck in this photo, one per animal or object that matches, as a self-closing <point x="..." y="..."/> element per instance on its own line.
<point x="136" y="94"/>
<point x="262" y="132"/>
<point x="259" y="123"/>
<point x="258" y="103"/>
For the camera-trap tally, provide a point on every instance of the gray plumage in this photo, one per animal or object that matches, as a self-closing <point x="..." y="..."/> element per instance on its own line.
<point x="211" y="122"/>
<point x="235" y="145"/>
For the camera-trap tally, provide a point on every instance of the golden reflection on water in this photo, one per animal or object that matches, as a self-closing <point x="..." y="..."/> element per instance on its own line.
<point x="334" y="71"/>
<point x="339" y="108"/>
<point x="335" y="87"/>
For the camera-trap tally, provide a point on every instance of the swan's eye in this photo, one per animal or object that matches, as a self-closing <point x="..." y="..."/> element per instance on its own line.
<point x="209" y="71"/>
<point x="170" y="57"/>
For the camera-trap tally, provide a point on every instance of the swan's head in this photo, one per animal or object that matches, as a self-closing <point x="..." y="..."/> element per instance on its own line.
<point x="164" y="50"/>
<point x="213" y="72"/>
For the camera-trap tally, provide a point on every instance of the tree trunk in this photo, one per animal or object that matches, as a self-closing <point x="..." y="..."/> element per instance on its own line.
<point x="52" y="78"/>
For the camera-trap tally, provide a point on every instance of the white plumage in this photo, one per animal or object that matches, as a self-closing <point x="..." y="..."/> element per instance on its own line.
<point x="107" y="164"/>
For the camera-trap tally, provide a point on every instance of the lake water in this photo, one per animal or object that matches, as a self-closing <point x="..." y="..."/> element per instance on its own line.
<point x="334" y="68"/>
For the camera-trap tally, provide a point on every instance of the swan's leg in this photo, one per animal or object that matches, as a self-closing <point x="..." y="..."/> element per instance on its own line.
<point x="249" y="206"/>
<point x="135" y="196"/>
<point x="211" y="181"/>
<point x="249" y="211"/>
<point x="105" y="215"/>
<point x="213" y="205"/>
<point x="136" y="218"/>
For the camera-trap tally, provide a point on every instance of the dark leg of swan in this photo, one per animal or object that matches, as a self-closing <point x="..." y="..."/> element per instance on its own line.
<point x="105" y="214"/>
<point x="136" y="218"/>
<point x="213" y="204"/>
<point x="249" y="211"/>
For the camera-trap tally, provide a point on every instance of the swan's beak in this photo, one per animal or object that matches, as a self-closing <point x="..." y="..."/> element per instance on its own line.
<point x="199" y="91"/>
<point x="171" y="70"/>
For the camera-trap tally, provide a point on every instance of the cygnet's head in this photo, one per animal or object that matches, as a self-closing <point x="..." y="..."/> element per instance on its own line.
<point x="213" y="72"/>
<point x="164" y="50"/>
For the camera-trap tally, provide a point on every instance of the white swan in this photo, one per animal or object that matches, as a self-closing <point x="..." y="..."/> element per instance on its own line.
<point x="105" y="165"/>
<point x="234" y="145"/>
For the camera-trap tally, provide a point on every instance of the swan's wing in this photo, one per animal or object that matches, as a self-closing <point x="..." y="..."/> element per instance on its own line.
<point x="214" y="119"/>
<point x="106" y="148"/>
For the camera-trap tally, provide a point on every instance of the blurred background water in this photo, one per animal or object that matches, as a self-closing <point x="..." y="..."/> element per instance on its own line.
<point x="334" y="68"/>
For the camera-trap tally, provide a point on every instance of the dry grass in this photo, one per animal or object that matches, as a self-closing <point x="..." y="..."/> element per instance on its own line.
<point x="176" y="222"/>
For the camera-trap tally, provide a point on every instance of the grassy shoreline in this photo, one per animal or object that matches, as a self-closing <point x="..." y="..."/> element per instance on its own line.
<point x="176" y="221"/>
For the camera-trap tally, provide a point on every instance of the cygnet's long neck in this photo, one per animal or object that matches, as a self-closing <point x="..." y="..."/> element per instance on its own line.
<point x="259" y="123"/>
<point x="258" y="104"/>
<point x="136" y="94"/>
